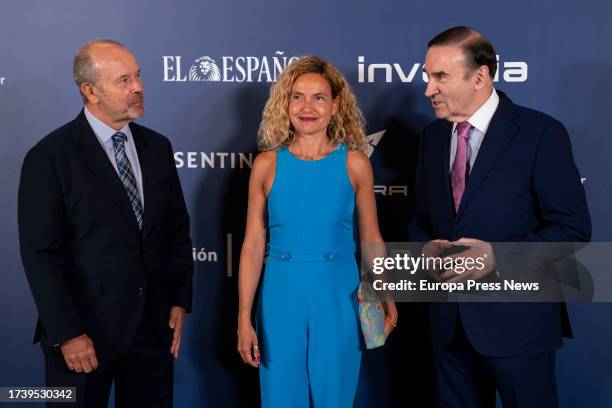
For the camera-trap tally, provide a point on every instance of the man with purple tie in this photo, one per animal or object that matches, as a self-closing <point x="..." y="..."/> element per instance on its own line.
<point x="492" y="171"/>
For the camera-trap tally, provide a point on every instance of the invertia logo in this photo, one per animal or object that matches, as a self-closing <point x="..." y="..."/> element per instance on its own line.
<point x="512" y="71"/>
<point x="226" y="69"/>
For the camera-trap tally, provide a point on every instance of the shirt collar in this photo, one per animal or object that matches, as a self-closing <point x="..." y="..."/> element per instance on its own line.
<point x="102" y="130"/>
<point x="482" y="117"/>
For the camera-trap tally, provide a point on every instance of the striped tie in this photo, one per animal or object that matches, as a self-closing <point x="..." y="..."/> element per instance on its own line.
<point x="127" y="177"/>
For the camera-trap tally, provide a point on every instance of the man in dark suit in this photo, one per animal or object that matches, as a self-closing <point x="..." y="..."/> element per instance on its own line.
<point x="492" y="171"/>
<point x="104" y="236"/>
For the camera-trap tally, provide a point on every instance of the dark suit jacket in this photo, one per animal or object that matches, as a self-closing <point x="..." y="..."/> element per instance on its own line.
<point x="524" y="186"/>
<point x="89" y="266"/>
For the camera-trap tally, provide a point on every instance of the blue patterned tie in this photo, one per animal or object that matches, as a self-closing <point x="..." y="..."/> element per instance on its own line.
<point x="126" y="176"/>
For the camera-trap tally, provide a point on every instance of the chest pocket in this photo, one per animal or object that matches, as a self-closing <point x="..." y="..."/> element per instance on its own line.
<point x="505" y="174"/>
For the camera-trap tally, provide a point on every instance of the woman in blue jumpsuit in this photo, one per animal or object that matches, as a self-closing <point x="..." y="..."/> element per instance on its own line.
<point x="310" y="178"/>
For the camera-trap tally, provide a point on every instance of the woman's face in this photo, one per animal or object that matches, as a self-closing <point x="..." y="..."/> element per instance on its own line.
<point x="311" y="105"/>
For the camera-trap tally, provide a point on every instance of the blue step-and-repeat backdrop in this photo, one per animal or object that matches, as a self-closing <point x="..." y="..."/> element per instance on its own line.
<point x="554" y="56"/>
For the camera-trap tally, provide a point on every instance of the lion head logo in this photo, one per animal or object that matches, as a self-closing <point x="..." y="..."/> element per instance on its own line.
<point x="204" y="69"/>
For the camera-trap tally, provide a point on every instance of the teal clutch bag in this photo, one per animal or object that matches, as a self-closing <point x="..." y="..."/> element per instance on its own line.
<point x="371" y="316"/>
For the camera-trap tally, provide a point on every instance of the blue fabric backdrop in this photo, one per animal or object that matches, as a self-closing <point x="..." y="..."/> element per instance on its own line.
<point x="554" y="56"/>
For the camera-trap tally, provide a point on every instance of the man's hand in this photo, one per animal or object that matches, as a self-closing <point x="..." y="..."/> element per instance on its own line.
<point x="79" y="354"/>
<point x="177" y="317"/>
<point x="477" y="249"/>
<point x="433" y="249"/>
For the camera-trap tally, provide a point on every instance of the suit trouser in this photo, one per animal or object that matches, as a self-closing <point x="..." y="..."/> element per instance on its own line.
<point x="466" y="378"/>
<point x="143" y="375"/>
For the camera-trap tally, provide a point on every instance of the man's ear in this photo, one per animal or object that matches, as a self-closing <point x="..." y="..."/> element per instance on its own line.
<point x="89" y="92"/>
<point x="481" y="75"/>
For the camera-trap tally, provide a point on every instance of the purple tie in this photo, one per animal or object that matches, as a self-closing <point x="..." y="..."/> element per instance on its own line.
<point x="458" y="171"/>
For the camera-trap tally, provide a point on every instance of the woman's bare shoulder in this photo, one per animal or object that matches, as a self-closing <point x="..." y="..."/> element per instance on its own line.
<point x="358" y="162"/>
<point x="265" y="161"/>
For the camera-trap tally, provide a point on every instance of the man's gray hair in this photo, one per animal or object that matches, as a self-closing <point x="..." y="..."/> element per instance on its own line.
<point x="82" y="70"/>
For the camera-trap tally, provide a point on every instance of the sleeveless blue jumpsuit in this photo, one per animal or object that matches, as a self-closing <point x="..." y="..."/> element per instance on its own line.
<point x="308" y="325"/>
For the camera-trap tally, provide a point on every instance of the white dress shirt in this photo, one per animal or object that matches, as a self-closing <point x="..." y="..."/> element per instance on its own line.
<point x="480" y="121"/>
<point x="105" y="133"/>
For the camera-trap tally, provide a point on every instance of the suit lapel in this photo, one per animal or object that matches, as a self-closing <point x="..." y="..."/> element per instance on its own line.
<point x="97" y="161"/>
<point x="441" y="149"/>
<point x="499" y="135"/>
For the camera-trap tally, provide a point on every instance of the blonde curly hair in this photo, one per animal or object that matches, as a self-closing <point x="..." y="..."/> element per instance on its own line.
<point x="347" y="125"/>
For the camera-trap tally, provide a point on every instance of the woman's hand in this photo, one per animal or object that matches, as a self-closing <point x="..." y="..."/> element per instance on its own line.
<point x="247" y="344"/>
<point x="390" y="317"/>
